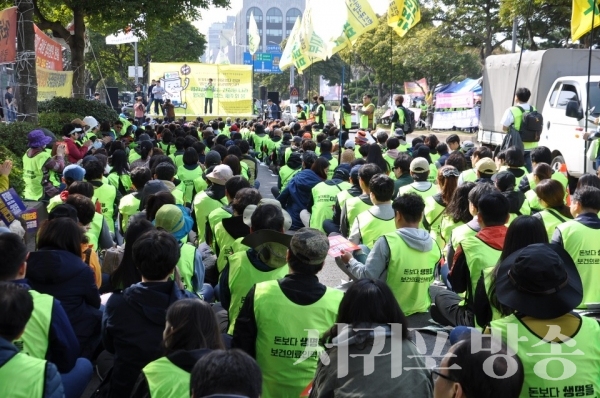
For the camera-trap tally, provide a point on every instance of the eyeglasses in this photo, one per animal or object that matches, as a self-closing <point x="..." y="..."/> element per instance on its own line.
<point x="435" y="374"/>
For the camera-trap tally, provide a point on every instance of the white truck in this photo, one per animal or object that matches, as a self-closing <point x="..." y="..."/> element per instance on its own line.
<point x="557" y="79"/>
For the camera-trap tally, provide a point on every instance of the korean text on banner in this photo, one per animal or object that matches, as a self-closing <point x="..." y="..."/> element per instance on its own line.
<point x="11" y="206"/>
<point x="361" y="19"/>
<point x="581" y="18"/>
<point x="419" y="87"/>
<point x="8" y="35"/>
<point x="52" y="83"/>
<point x="48" y="53"/>
<point x="185" y="85"/>
<point x="454" y="100"/>
<point x="458" y="119"/>
<point x="403" y="15"/>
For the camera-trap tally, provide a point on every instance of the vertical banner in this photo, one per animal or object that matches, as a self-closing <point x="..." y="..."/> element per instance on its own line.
<point x="8" y="35"/>
<point x="185" y="84"/>
<point x="53" y="83"/>
<point x="403" y="15"/>
<point x="48" y="53"/>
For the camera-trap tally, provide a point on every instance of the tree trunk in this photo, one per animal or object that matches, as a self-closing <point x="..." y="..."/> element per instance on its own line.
<point x="27" y="107"/>
<point x="77" y="46"/>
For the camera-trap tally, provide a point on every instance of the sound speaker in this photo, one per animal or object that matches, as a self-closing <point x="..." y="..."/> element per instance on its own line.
<point x="112" y="98"/>
<point x="273" y="96"/>
<point x="263" y="93"/>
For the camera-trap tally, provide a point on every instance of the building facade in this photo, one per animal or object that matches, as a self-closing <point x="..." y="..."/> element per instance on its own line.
<point x="219" y="34"/>
<point x="275" y="20"/>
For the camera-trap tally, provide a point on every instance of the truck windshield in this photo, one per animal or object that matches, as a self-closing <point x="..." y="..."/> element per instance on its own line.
<point x="594" y="93"/>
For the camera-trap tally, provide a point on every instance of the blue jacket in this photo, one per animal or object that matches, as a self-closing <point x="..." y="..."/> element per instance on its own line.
<point x="132" y="329"/>
<point x="297" y="195"/>
<point x="53" y="387"/>
<point x="63" y="347"/>
<point x="68" y="279"/>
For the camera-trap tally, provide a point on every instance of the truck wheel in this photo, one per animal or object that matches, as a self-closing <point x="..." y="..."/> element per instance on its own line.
<point x="557" y="162"/>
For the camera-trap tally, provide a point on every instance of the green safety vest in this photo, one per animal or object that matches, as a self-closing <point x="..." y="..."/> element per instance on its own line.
<point x="372" y="228"/>
<point x="53" y="176"/>
<point x="187" y="178"/>
<point x="228" y="246"/>
<point x="545" y="363"/>
<point x="518" y="117"/>
<point x="53" y="202"/>
<point x="166" y="380"/>
<point x="323" y="118"/>
<point x="210" y="91"/>
<point x="357" y="153"/>
<point x="113" y="179"/>
<point x="390" y="161"/>
<point x="557" y="175"/>
<point x="410" y="272"/>
<point x="479" y="256"/>
<point x="215" y="217"/>
<point x="33" y="175"/>
<point x="447" y="227"/>
<point x="487" y="282"/>
<point x="433" y="214"/>
<point x="401" y="119"/>
<point x="94" y="231"/>
<point x="524" y="211"/>
<point x="460" y="233"/>
<point x="410" y="188"/>
<point x="200" y="185"/>
<point x="286" y="174"/>
<point x="258" y="143"/>
<point x="333" y="163"/>
<point x="581" y="243"/>
<point x="128" y="206"/>
<point x="366" y="121"/>
<point x="286" y="154"/>
<point x="533" y="201"/>
<point x="34" y="341"/>
<point x="245" y="172"/>
<point x="355" y="206"/>
<point x="343" y="196"/>
<point x="551" y="219"/>
<point x="178" y="159"/>
<point x="301" y="116"/>
<point x="133" y="156"/>
<point x="167" y="148"/>
<point x="469" y="175"/>
<point x="106" y="195"/>
<point x="282" y="339"/>
<point x="203" y="205"/>
<point x="347" y="118"/>
<point x="242" y="276"/>
<point x="432" y="177"/>
<point x="23" y="376"/>
<point x="249" y="165"/>
<point x="324" y="196"/>
<point x="185" y="265"/>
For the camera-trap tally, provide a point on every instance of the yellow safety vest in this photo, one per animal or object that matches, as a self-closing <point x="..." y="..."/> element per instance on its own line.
<point x="34" y="341"/>
<point x="324" y="196"/>
<point x="355" y="206"/>
<point x="479" y="256"/>
<point x="187" y="178"/>
<point x="33" y="175"/>
<point x="23" y="376"/>
<point x="366" y="121"/>
<point x="372" y="228"/>
<point x="203" y="205"/>
<point x="106" y="195"/>
<point x="166" y="380"/>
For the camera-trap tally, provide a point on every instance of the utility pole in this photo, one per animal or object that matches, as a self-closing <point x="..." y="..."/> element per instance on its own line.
<point x="27" y="108"/>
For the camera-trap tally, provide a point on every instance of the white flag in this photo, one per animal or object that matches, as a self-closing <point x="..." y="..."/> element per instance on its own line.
<point x="122" y="38"/>
<point x="292" y="43"/>
<point x="253" y="35"/>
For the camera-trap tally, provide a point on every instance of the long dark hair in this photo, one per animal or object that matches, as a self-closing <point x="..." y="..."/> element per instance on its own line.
<point x="193" y="325"/>
<point x="458" y="208"/>
<point x="126" y="273"/>
<point x="62" y="234"/>
<point x="447" y="183"/>
<point x="346" y="105"/>
<point x="368" y="301"/>
<point x="376" y="157"/>
<point x="118" y="162"/>
<point x="522" y="232"/>
<point x="319" y="167"/>
<point x="145" y="149"/>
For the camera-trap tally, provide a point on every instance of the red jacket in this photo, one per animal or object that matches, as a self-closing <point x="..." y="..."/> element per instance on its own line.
<point x="75" y="153"/>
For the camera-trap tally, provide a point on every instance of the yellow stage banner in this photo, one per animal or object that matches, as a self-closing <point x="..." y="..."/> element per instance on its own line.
<point x="185" y="84"/>
<point x="53" y="83"/>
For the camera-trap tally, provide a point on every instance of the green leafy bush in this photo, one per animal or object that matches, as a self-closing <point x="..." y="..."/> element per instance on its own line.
<point x="16" y="175"/>
<point x="55" y="121"/>
<point x="14" y="136"/>
<point x="80" y="107"/>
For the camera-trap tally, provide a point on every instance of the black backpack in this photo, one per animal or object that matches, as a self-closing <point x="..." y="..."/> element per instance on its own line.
<point x="531" y="125"/>
<point x="409" y="120"/>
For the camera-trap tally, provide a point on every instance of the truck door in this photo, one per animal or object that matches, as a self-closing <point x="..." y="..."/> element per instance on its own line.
<point x="563" y="133"/>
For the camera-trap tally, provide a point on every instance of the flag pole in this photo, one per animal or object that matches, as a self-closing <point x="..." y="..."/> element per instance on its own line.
<point x="391" y="68"/>
<point x="252" y="106"/>
<point x="589" y="71"/>
<point x="340" y="143"/>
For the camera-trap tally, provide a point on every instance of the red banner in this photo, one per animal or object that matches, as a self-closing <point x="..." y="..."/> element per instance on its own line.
<point x="48" y="53"/>
<point x="8" y="35"/>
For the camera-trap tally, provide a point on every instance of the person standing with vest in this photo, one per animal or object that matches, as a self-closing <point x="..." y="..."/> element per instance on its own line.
<point x="320" y="116"/>
<point x="367" y="113"/>
<point x="405" y="259"/>
<point x="542" y="285"/>
<point x="37" y="164"/>
<point x="285" y="351"/>
<point x="151" y="95"/>
<point x="209" y="94"/>
<point x="48" y="334"/>
<point x="513" y="117"/>
<point x="346" y="115"/>
<point x="264" y="260"/>
<point x="158" y="92"/>
<point x="399" y="117"/>
<point x="376" y="221"/>
<point x="301" y="114"/>
<point x="22" y="375"/>
<point x="191" y="333"/>
<point x="473" y="255"/>
<point x="354" y="206"/>
<point x="579" y="237"/>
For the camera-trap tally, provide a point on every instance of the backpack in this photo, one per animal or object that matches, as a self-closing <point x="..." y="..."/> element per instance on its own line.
<point x="531" y="125"/>
<point x="409" y="120"/>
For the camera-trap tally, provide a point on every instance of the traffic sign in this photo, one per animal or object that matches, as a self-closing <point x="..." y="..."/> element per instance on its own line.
<point x="264" y="62"/>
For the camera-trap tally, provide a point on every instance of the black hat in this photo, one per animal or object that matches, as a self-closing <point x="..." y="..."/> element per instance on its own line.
<point x="540" y="281"/>
<point x="505" y="180"/>
<point x="63" y="210"/>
